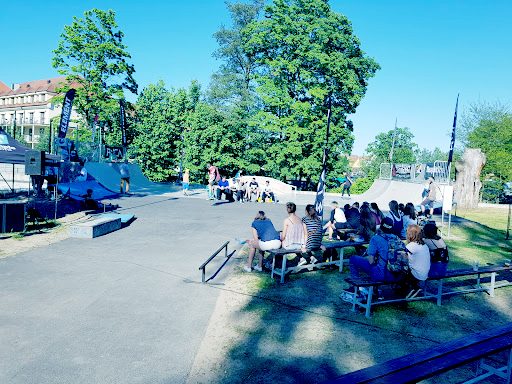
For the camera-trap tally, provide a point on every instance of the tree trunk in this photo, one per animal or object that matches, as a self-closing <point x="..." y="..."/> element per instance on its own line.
<point x="467" y="178"/>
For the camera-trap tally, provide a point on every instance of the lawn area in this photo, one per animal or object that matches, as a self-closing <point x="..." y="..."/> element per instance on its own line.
<point x="300" y="331"/>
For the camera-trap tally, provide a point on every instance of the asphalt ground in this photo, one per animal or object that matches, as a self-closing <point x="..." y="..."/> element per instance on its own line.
<point x="126" y="307"/>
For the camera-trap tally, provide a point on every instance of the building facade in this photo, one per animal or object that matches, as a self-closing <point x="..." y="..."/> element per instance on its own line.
<point x="26" y="109"/>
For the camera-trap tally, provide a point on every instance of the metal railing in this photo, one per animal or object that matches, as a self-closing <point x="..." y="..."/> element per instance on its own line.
<point x="416" y="172"/>
<point x="203" y="267"/>
<point x="25" y="120"/>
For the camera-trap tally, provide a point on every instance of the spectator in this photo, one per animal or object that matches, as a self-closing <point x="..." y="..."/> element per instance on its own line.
<point x="368" y="226"/>
<point x="375" y="263"/>
<point x="438" y="250"/>
<point x="253" y="188"/>
<point x="265" y="238"/>
<point x="213" y="178"/>
<point x="313" y="233"/>
<point x="419" y="260"/>
<point x="293" y="235"/>
<point x="353" y="217"/>
<point x="379" y="216"/>
<point x="337" y="218"/>
<point x="267" y="192"/>
<point x="394" y="214"/>
<point x="409" y="218"/>
<point x="223" y="188"/>
<point x="125" y="176"/>
<point x="240" y="193"/>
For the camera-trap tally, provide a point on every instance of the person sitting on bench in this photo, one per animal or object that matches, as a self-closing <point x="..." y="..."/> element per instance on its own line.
<point x="267" y="192"/>
<point x="223" y="188"/>
<point x="375" y="263"/>
<point x="253" y="188"/>
<point x="438" y="250"/>
<point x="418" y="259"/>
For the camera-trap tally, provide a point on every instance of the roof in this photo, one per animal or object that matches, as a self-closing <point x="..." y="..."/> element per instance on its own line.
<point x="45" y="85"/>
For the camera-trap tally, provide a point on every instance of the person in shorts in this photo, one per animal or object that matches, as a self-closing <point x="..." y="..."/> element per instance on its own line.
<point x="186" y="180"/>
<point x="213" y="178"/>
<point x="125" y="176"/>
<point x="265" y="238"/>
<point x="431" y="197"/>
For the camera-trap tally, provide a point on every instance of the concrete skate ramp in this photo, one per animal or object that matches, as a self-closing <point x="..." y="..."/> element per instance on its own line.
<point x="383" y="191"/>
<point x="107" y="174"/>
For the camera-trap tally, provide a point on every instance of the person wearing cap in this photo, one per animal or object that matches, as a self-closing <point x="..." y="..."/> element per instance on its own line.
<point x="375" y="261"/>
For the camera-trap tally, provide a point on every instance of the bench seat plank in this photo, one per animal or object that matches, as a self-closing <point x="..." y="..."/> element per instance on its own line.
<point x="432" y="361"/>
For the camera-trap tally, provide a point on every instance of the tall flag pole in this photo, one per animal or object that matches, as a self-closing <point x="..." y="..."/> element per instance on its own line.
<point x="66" y="113"/>
<point x="393" y="144"/>
<point x="320" y="190"/>
<point x="123" y="129"/>
<point x="452" y="144"/>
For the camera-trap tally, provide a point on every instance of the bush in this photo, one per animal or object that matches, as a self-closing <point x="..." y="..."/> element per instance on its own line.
<point x="360" y="185"/>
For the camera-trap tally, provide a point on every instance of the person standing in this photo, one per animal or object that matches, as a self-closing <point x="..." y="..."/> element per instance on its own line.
<point x="347" y="184"/>
<point x="186" y="179"/>
<point x="124" y="170"/>
<point x="431" y="197"/>
<point x="213" y="178"/>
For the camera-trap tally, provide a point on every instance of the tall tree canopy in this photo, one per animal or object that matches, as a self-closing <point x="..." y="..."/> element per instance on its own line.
<point x="232" y="85"/>
<point x="92" y="54"/>
<point x="306" y="54"/>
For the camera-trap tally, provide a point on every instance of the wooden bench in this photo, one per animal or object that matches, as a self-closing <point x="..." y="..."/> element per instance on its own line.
<point x="339" y="246"/>
<point x="441" y="358"/>
<point x="371" y="285"/>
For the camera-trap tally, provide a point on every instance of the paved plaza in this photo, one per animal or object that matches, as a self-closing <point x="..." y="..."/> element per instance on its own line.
<point x="127" y="307"/>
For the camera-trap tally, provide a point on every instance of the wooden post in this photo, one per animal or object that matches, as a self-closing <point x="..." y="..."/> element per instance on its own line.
<point x="508" y="222"/>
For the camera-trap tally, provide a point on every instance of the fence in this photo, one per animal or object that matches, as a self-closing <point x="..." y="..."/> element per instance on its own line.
<point x="416" y="172"/>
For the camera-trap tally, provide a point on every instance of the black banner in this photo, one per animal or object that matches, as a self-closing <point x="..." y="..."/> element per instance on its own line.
<point x="114" y="152"/>
<point x="452" y="143"/>
<point x="122" y="121"/>
<point x="402" y="171"/>
<point x="66" y="113"/>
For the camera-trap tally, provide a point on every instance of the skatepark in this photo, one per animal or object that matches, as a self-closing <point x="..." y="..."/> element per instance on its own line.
<point x="129" y="306"/>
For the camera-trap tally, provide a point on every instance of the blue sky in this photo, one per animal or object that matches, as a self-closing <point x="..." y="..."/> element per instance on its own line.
<point x="429" y="52"/>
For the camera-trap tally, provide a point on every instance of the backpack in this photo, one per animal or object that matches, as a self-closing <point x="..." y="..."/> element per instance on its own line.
<point x="396" y="248"/>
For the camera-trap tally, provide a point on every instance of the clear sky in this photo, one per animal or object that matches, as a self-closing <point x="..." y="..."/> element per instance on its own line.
<point x="429" y="50"/>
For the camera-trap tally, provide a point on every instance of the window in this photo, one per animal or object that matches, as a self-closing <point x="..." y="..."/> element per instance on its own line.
<point x="30" y="134"/>
<point x="41" y="117"/>
<point x="31" y="117"/>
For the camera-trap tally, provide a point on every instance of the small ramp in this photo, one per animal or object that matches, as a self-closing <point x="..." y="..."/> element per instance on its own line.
<point x="77" y="189"/>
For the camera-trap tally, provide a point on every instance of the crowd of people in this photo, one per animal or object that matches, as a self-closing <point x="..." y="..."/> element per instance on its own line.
<point x="234" y="188"/>
<point x="387" y="258"/>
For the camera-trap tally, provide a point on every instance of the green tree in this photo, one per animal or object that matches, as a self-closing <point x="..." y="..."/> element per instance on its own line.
<point x="306" y="54"/>
<point x="427" y="156"/>
<point x="493" y="135"/>
<point x="93" y="58"/>
<point x="379" y="150"/>
<point x="232" y="86"/>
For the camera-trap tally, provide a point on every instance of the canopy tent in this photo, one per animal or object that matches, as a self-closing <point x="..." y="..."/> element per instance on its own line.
<point x="11" y="151"/>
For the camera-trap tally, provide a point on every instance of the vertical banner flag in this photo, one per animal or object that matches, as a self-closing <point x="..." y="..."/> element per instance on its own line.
<point x="95" y="124"/>
<point x="123" y="129"/>
<point x="320" y="189"/>
<point x="452" y="144"/>
<point x="66" y="113"/>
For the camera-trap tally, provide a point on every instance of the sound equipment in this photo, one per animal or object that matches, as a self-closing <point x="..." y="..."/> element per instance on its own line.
<point x="12" y="217"/>
<point x="34" y="162"/>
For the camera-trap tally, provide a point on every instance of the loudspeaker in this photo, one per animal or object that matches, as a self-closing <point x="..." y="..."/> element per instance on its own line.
<point x="34" y="162"/>
<point x="12" y="217"/>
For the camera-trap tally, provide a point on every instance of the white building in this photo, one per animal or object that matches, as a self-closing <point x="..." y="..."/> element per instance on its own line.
<point x="29" y="106"/>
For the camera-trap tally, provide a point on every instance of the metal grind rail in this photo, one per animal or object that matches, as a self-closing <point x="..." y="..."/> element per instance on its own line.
<point x="203" y="267"/>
